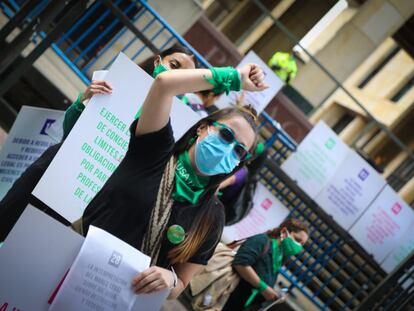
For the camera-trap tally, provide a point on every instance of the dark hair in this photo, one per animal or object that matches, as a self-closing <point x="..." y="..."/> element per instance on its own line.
<point x="148" y="64"/>
<point x="207" y="215"/>
<point x="292" y="225"/>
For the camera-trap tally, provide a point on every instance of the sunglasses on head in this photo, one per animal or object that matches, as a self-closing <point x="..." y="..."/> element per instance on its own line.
<point x="227" y="135"/>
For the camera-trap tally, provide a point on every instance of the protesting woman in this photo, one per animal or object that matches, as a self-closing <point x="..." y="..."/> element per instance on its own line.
<point x="161" y="198"/>
<point x="258" y="261"/>
<point x="19" y="196"/>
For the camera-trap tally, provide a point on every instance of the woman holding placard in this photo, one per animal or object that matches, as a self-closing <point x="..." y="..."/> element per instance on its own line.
<point x="19" y="196"/>
<point x="161" y="198"/>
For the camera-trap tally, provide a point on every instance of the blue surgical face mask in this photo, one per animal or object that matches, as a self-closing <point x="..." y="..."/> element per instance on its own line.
<point x="158" y="69"/>
<point x="214" y="156"/>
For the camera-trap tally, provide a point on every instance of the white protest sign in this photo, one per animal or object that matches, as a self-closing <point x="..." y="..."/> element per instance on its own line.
<point x="384" y="224"/>
<point x="316" y="159"/>
<point x="35" y="256"/>
<point x="100" y="277"/>
<point x="267" y="213"/>
<point x="259" y="100"/>
<point x="403" y="248"/>
<point x="99" y="140"/>
<point x="26" y="141"/>
<point x="349" y="192"/>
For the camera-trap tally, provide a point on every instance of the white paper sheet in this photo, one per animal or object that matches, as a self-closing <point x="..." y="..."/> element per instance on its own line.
<point x="382" y="227"/>
<point x="316" y="159"/>
<point x="350" y="191"/>
<point x="100" y="278"/>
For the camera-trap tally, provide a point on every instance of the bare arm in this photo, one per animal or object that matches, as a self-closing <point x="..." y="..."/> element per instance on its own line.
<point x="157" y="105"/>
<point x="248" y="274"/>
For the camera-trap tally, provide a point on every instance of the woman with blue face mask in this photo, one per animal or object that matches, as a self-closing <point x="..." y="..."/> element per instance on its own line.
<point x="19" y="196"/>
<point x="161" y="198"/>
<point x="258" y="261"/>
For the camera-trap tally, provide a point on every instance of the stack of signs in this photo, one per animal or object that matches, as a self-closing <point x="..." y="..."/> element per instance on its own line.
<point x="27" y="140"/>
<point x="99" y="140"/>
<point x="267" y="213"/>
<point x="259" y="100"/>
<point x="353" y="193"/>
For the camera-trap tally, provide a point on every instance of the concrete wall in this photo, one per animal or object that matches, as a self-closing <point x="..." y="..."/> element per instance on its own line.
<point x="353" y="43"/>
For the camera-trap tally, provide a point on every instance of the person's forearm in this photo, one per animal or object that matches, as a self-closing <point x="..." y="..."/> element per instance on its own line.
<point x="248" y="274"/>
<point x="157" y="105"/>
<point x="180" y="81"/>
<point x="175" y="292"/>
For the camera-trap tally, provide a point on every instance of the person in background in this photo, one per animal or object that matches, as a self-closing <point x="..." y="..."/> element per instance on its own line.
<point x="19" y="195"/>
<point x="284" y="65"/>
<point x="201" y="102"/>
<point x="258" y="261"/>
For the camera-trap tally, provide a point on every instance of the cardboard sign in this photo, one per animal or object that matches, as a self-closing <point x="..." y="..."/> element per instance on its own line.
<point x="267" y="213"/>
<point x="26" y="141"/>
<point x="39" y="252"/>
<point x="403" y="248"/>
<point x="99" y="140"/>
<point x="384" y="224"/>
<point x="259" y="100"/>
<point x="316" y="159"/>
<point x="33" y="259"/>
<point x="351" y="190"/>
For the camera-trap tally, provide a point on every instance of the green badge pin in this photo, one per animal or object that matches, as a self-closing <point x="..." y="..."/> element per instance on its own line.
<point x="175" y="234"/>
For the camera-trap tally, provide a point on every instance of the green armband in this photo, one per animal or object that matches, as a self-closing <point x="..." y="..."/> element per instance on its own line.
<point x="262" y="286"/>
<point x="224" y="79"/>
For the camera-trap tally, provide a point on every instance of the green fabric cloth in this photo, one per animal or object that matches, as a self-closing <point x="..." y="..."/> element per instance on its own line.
<point x="224" y="79"/>
<point x="188" y="185"/>
<point x="72" y="115"/>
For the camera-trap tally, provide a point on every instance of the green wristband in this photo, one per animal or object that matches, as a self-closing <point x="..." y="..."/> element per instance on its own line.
<point x="224" y="79"/>
<point x="262" y="286"/>
<point x="78" y="104"/>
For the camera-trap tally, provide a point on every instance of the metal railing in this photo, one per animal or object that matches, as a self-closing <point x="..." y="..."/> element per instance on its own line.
<point x="333" y="272"/>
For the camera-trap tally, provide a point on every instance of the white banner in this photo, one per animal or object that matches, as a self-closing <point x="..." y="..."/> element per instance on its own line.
<point x="99" y="140"/>
<point x="259" y="100"/>
<point x="267" y="213"/>
<point x="26" y="141"/>
<point x="316" y="159"/>
<point x="383" y="225"/>
<point x="349" y="192"/>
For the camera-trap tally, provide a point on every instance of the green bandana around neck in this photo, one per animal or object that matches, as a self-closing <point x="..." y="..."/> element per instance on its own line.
<point x="188" y="185"/>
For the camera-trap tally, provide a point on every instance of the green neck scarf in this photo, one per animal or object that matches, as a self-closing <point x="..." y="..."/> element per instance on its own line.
<point x="188" y="185"/>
